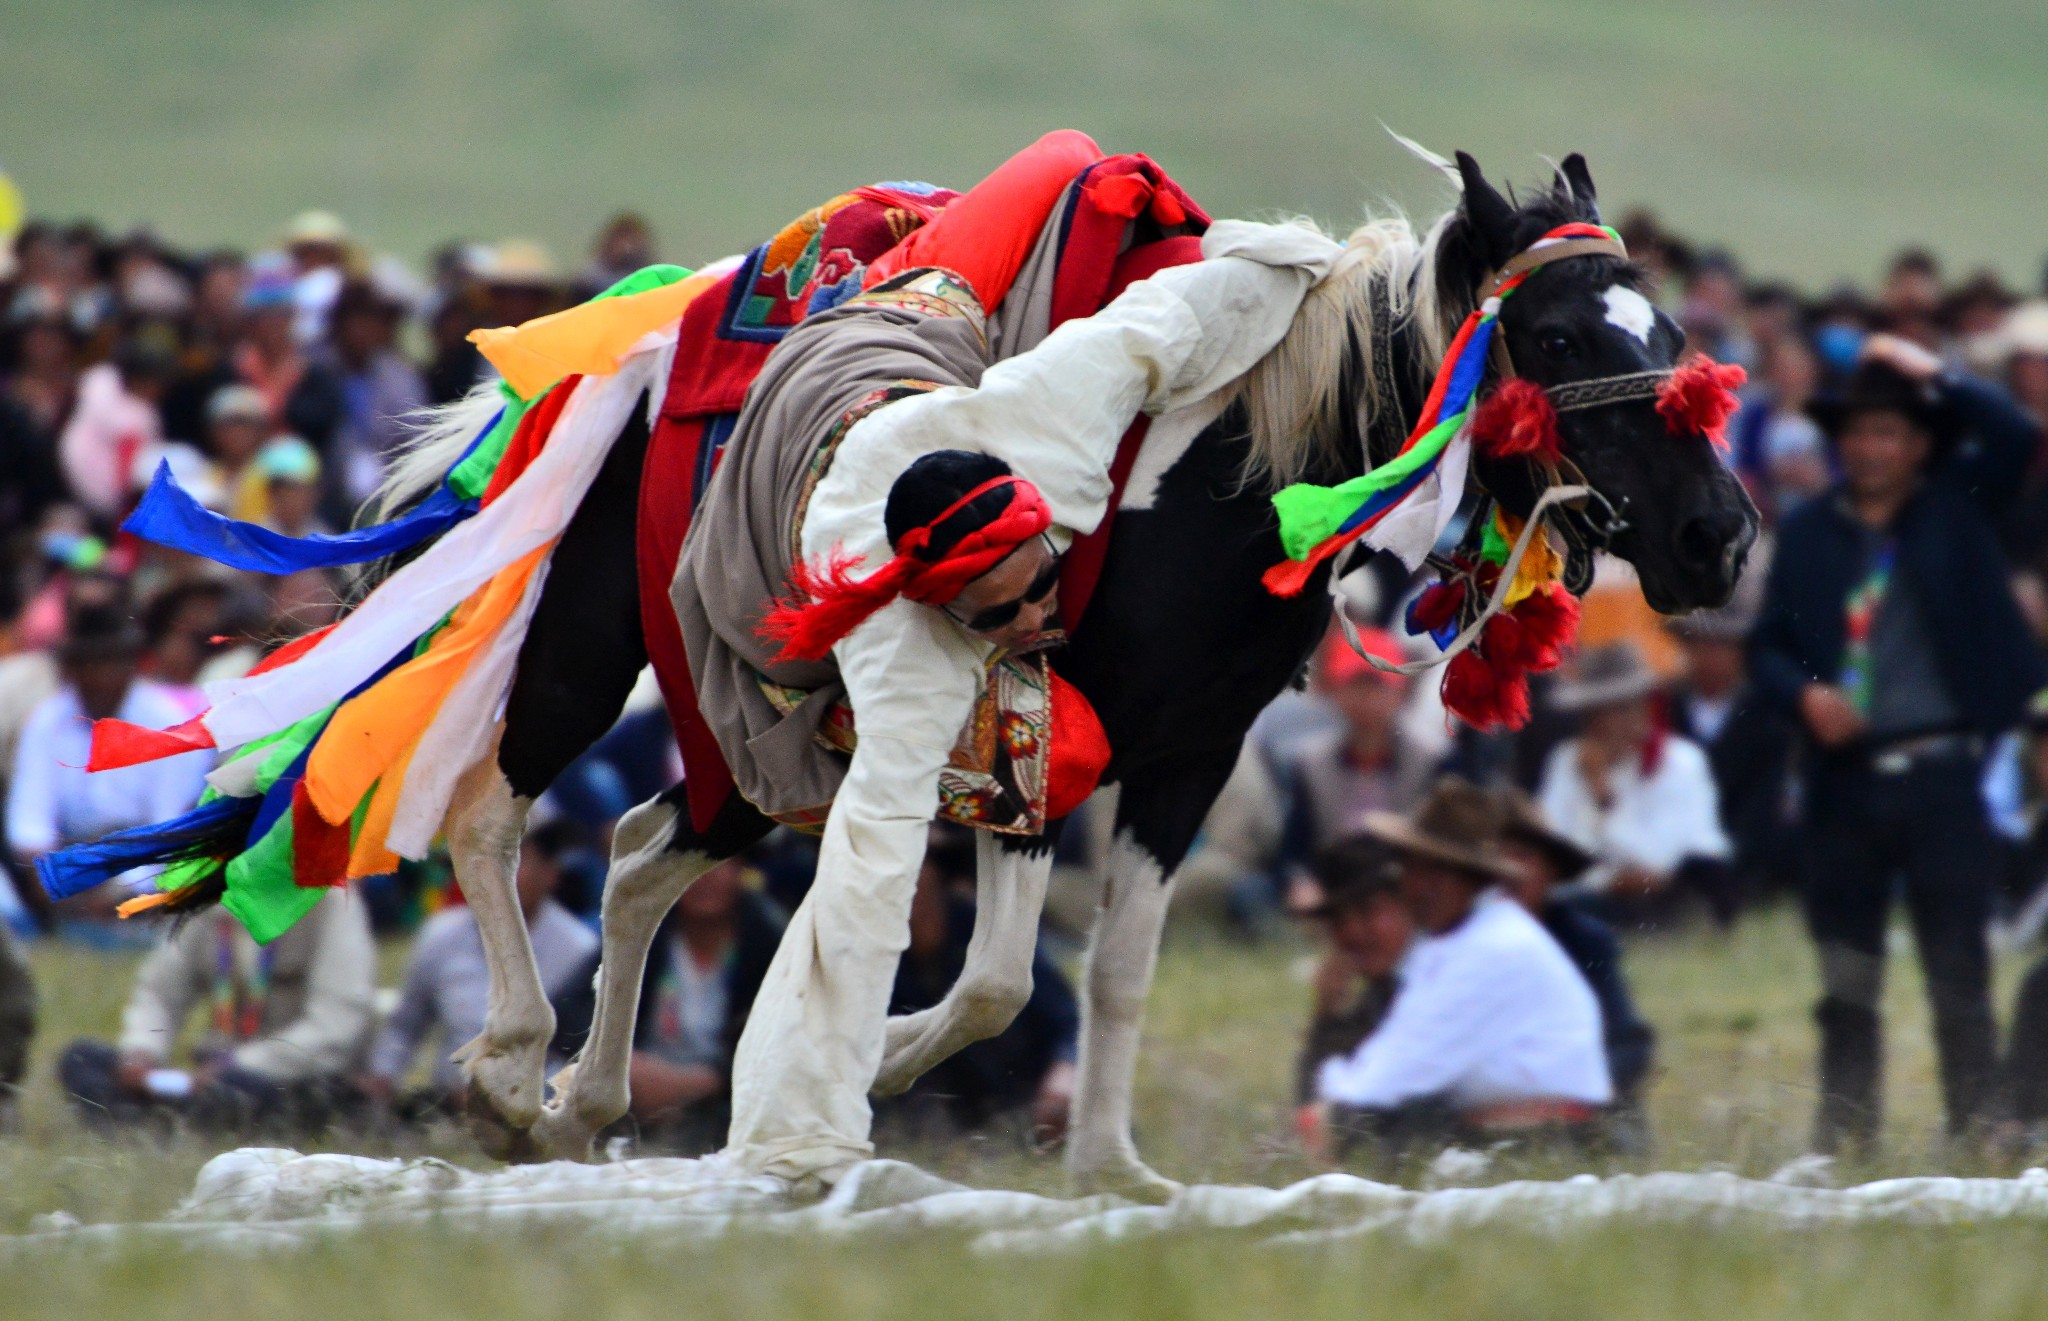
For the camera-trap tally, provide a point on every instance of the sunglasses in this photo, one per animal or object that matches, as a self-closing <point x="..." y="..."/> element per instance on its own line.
<point x="1001" y="616"/>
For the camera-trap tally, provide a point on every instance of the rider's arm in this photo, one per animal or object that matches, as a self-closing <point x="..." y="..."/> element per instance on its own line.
<point x="1056" y="412"/>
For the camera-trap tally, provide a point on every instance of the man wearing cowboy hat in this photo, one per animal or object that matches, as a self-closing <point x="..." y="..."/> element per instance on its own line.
<point x="1493" y="1031"/>
<point x="1890" y="632"/>
<point x="1638" y="798"/>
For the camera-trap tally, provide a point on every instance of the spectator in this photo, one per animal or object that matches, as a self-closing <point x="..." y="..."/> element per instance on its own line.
<point x="1542" y="860"/>
<point x="703" y="971"/>
<point x="179" y="625"/>
<point x="1911" y="298"/>
<point x="43" y="364"/>
<point x="1890" y="632"/>
<point x="1030" y="1063"/>
<point x="52" y="801"/>
<point x="299" y="394"/>
<point x="2022" y="354"/>
<point x="1370" y="932"/>
<point x="520" y="283"/>
<point x="237" y="424"/>
<point x="287" y="1025"/>
<point x="379" y="391"/>
<point x="1493" y="1032"/>
<point x="623" y="246"/>
<point x="1775" y="447"/>
<point x="1748" y="740"/>
<point x="446" y="992"/>
<point x="290" y="473"/>
<point x="1638" y="798"/>
<point x="1367" y="764"/>
<point x="317" y="242"/>
<point x="115" y="423"/>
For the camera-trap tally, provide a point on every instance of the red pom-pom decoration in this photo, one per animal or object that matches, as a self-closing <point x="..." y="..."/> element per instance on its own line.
<point x="1482" y="695"/>
<point x="1436" y="607"/>
<point x="1517" y="421"/>
<point x="1549" y="621"/>
<point x="1700" y="398"/>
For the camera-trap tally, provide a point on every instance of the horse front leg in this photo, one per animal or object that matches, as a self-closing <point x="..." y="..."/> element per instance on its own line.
<point x="505" y="1063"/>
<point x="995" y="982"/>
<point x="1123" y="952"/>
<point x="655" y="856"/>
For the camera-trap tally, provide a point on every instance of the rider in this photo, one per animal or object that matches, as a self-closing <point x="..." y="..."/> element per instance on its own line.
<point x="950" y="488"/>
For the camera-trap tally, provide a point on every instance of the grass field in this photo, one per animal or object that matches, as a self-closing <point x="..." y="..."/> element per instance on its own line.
<point x="1814" y="138"/>
<point x="1734" y="1093"/>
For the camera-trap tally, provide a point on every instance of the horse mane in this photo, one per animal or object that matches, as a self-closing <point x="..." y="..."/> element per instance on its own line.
<point x="439" y="434"/>
<point x="1296" y="396"/>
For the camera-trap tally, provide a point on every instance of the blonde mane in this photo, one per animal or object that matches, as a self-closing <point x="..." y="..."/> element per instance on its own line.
<point x="1296" y="395"/>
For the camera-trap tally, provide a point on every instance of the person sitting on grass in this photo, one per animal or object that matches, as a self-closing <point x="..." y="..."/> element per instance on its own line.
<point x="703" y="971"/>
<point x="1542" y="860"/>
<point x="1493" y="1033"/>
<point x="287" y="1026"/>
<point x="1369" y="934"/>
<point x="448" y="986"/>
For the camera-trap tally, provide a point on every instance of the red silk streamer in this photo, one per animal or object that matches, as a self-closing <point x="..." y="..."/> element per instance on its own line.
<point x="826" y="602"/>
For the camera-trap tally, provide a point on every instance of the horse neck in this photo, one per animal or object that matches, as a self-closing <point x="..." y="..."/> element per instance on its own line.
<point x="1402" y="370"/>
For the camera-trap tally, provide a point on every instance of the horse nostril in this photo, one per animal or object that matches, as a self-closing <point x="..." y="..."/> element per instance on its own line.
<point x="1701" y="543"/>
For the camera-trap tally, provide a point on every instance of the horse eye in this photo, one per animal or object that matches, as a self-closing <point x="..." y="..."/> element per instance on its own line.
<point x="1555" y="345"/>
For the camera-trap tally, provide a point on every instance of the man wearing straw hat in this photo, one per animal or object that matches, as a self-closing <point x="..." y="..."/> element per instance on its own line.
<point x="1493" y="1031"/>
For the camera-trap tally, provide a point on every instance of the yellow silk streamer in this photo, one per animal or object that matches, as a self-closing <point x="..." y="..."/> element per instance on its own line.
<point x="1541" y="564"/>
<point x="589" y="338"/>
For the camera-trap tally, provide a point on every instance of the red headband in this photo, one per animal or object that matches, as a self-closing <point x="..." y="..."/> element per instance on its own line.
<point x="826" y="602"/>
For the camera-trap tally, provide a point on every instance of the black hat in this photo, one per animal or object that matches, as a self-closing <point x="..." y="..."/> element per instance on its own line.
<point x="1526" y="823"/>
<point x="1352" y="870"/>
<point x="1879" y="387"/>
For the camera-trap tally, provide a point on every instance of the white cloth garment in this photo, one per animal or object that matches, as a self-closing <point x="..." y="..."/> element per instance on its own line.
<point x="51" y="800"/>
<point x="1653" y="821"/>
<point x="813" y="1044"/>
<point x="1487" y="1013"/>
<point x="447" y="990"/>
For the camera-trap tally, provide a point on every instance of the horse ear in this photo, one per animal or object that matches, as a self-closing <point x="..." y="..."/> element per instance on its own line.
<point x="1573" y="167"/>
<point x="1492" y="216"/>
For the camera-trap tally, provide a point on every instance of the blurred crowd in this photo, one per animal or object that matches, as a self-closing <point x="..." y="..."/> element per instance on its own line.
<point x="1857" y="727"/>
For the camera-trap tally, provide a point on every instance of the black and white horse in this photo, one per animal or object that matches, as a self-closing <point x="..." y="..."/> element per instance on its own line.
<point x="1180" y="650"/>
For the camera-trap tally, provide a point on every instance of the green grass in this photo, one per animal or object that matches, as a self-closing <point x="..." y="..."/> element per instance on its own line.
<point x="1813" y="138"/>
<point x="1734" y="1092"/>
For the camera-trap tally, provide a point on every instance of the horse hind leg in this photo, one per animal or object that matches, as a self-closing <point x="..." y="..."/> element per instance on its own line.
<point x="995" y="981"/>
<point x="655" y="855"/>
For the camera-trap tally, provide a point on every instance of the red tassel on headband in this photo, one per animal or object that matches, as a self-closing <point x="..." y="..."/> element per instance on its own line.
<point x="826" y="602"/>
<point x="1700" y="398"/>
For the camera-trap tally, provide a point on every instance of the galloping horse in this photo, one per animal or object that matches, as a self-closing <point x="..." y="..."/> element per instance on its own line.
<point x="1179" y="651"/>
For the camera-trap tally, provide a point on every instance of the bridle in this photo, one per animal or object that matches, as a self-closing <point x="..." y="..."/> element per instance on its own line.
<point x="1586" y="520"/>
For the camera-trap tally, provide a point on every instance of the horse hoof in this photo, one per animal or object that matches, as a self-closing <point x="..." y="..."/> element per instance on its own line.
<point x="507" y="1078"/>
<point x="560" y="1135"/>
<point x="499" y="1138"/>
<point x="1126" y="1177"/>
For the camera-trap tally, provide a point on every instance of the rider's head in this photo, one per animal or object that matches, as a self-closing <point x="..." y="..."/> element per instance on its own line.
<point x="970" y="540"/>
<point x="1010" y="602"/>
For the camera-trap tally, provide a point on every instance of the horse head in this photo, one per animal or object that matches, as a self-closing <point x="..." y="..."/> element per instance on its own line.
<point x="1665" y="501"/>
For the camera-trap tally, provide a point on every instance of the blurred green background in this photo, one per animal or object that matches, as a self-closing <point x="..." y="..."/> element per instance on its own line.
<point x="1812" y="136"/>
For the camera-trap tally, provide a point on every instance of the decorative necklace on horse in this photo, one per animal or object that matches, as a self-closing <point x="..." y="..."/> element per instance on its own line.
<point x="1504" y="605"/>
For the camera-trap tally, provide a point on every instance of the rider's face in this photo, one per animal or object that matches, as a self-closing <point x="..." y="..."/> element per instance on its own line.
<point x="1017" y="579"/>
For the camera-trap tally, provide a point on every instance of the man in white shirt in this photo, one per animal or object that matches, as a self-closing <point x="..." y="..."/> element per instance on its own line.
<point x="1639" y="798"/>
<point x="1493" y="1031"/>
<point x="52" y="801"/>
